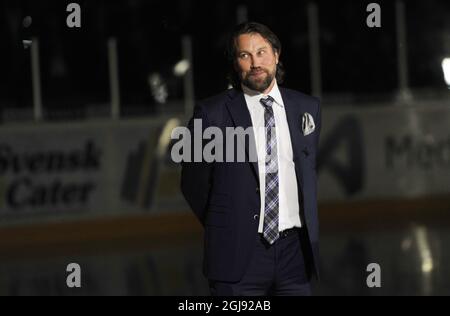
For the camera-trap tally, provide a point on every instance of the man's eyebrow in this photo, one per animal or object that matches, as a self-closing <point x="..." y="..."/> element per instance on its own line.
<point x="247" y="52"/>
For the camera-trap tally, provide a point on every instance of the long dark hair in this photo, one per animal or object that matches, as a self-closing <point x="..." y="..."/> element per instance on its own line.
<point x="231" y="54"/>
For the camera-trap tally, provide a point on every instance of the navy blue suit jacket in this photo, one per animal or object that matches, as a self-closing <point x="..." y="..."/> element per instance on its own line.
<point x="225" y="196"/>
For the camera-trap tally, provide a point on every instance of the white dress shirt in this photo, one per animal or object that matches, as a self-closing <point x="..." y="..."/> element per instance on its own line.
<point x="289" y="215"/>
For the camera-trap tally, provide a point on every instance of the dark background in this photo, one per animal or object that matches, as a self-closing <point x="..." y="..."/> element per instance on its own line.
<point x="357" y="61"/>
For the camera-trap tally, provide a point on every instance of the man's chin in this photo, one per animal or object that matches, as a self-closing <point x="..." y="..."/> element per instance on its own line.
<point x="257" y="86"/>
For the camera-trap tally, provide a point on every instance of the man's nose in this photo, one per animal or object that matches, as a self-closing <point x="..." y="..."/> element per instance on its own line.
<point x="256" y="63"/>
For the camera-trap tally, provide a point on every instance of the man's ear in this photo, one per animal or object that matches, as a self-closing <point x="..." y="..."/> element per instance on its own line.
<point x="277" y="57"/>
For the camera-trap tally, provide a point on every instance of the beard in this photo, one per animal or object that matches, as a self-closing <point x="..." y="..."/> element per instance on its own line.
<point x="258" y="84"/>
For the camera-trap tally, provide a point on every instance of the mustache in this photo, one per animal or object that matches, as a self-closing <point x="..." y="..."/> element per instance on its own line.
<point x="257" y="70"/>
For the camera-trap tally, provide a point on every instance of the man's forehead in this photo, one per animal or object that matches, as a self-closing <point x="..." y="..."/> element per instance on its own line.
<point x="252" y="40"/>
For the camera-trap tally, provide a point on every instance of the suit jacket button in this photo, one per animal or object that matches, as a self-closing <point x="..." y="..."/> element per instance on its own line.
<point x="256" y="217"/>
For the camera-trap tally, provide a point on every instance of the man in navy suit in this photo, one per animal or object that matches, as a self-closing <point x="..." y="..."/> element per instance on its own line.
<point x="259" y="215"/>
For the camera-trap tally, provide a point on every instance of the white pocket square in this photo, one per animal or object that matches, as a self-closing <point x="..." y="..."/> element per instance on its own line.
<point x="308" y="124"/>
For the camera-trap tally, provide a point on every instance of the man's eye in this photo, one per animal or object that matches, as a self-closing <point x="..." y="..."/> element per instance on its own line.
<point x="243" y="56"/>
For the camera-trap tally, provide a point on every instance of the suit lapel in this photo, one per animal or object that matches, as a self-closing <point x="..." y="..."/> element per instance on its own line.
<point x="240" y="116"/>
<point x="294" y="113"/>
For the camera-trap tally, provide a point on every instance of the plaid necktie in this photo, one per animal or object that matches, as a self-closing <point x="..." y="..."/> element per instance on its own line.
<point x="271" y="207"/>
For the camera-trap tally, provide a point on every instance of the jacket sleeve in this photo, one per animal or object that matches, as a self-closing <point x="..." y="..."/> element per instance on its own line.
<point x="196" y="175"/>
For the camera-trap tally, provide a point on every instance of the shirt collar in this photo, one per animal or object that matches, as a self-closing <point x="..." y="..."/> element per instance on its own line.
<point x="256" y="96"/>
